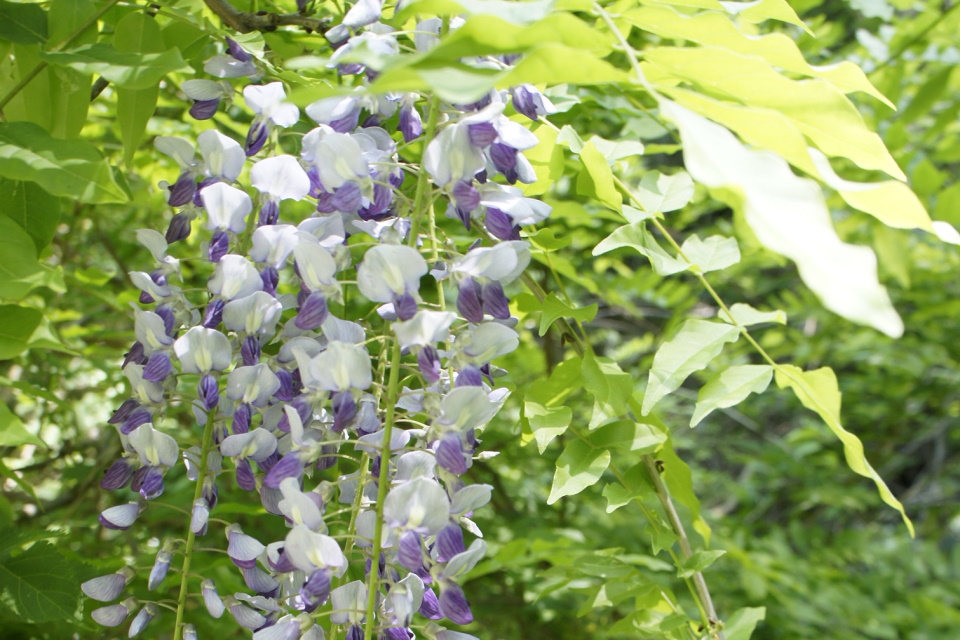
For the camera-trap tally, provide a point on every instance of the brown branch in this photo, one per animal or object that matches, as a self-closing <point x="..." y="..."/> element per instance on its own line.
<point x="245" y="22"/>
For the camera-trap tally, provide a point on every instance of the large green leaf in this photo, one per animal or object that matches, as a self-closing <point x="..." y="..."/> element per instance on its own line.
<point x="35" y="210"/>
<point x="69" y="89"/>
<point x="691" y="349"/>
<point x="513" y="12"/>
<point x="578" y="467"/>
<point x="546" y="423"/>
<point x="740" y="625"/>
<point x="136" y="33"/>
<point x="40" y="583"/>
<point x="627" y="435"/>
<point x="712" y="254"/>
<point x="555" y="308"/>
<point x="659" y="193"/>
<point x="22" y="22"/>
<point x="127" y="70"/>
<point x="596" y="181"/>
<point x="698" y="562"/>
<point x="818" y="391"/>
<point x="638" y="238"/>
<point x="730" y="388"/>
<point x="817" y="108"/>
<point x="607" y="383"/>
<point x="18" y="261"/>
<point x="12" y="431"/>
<point x="745" y="315"/>
<point x="70" y="168"/>
<point x="17" y="325"/>
<point x="781" y="51"/>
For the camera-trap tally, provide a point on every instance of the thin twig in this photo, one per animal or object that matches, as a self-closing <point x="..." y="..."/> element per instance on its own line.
<point x="245" y="22"/>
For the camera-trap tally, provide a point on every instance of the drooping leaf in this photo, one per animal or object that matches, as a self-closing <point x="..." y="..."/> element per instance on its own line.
<point x="817" y="108"/>
<point x="627" y="435"/>
<point x="712" y="254"/>
<point x="514" y="12"/>
<point x="659" y="193"/>
<point x="740" y="625"/>
<point x="699" y="561"/>
<point x="12" y="431"/>
<point x="638" y="238"/>
<point x="715" y="29"/>
<point x="72" y="168"/>
<point x="745" y="315"/>
<point x="788" y="215"/>
<point x="597" y="179"/>
<point x="760" y="10"/>
<point x="607" y="383"/>
<point x="70" y="89"/>
<point x="636" y="484"/>
<point x="40" y="583"/>
<point x="18" y="261"/>
<point x="546" y="423"/>
<point x="136" y="33"/>
<point x="691" y="349"/>
<point x="23" y="23"/>
<point x="578" y="467"/>
<point x="679" y="480"/>
<point x="127" y="70"/>
<point x="818" y="391"/>
<point x="554" y="308"/>
<point x="31" y="207"/>
<point x="730" y="388"/>
<point x="17" y="325"/>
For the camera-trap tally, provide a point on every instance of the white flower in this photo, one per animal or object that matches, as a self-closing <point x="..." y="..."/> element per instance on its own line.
<point x="223" y="156"/>
<point x="235" y="277"/>
<point x="268" y="100"/>
<point x="388" y="271"/>
<point x="202" y="350"/>
<point x="227" y="207"/>
<point x="281" y="177"/>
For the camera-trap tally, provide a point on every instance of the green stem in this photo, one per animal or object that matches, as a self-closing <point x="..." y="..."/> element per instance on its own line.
<point x="188" y="548"/>
<point x="43" y="65"/>
<point x="393" y="392"/>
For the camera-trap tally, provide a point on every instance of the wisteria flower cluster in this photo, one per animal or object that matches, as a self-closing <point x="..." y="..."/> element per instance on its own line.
<point x="290" y="381"/>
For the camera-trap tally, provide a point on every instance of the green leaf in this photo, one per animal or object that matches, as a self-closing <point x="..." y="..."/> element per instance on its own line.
<point x="691" y="349"/>
<point x="35" y="210"/>
<point x="760" y="10"/>
<point x="817" y="108"/>
<point x="546" y="423"/>
<point x="638" y="238"/>
<point x="699" y="561"/>
<point x="18" y="261"/>
<point x="40" y="583"/>
<point x="658" y="193"/>
<point x="781" y="51"/>
<point x="607" y="383"/>
<point x="636" y="484"/>
<point x="730" y="388"/>
<point x="554" y="308"/>
<point x="546" y="239"/>
<point x="597" y="179"/>
<point x="712" y="254"/>
<point x="745" y="315"/>
<point x="514" y="12"/>
<point x="741" y="624"/>
<point x="626" y="435"/>
<point x="23" y="23"/>
<point x="578" y="467"/>
<point x="69" y="89"/>
<point x="136" y="33"/>
<point x="17" y="324"/>
<point x="818" y="391"/>
<point x="70" y="168"/>
<point x="127" y="70"/>
<point x="614" y="150"/>
<point x="7" y="472"/>
<point x="12" y="431"/>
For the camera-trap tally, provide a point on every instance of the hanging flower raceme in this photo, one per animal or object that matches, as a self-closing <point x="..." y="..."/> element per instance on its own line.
<point x="263" y="368"/>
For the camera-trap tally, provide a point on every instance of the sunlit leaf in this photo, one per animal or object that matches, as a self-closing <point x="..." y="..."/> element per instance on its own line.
<point x="546" y="423"/>
<point x="23" y="23"/>
<point x="712" y="254"/>
<point x="659" y="193"/>
<point x="12" y="431"/>
<point x="818" y="391"/>
<point x="554" y="308"/>
<point x="745" y="315"/>
<point x="17" y="324"/>
<point x="730" y="388"/>
<point x="578" y="467"/>
<point x="127" y="70"/>
<point x="699" y="561"/>
<point x="691" y="349"/>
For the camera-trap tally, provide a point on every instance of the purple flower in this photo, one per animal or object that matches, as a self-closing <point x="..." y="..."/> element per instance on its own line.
<point x="181" y="193"/>
<point x="136" y="354"/>
<point x="250" y="351"/>
<point x="115" y="614"/>
<point x="118" y="475"/>
<point x="450" y="454"/>
<point x="213" y="314"/>
<point x="160" y="567"/>
<point x="120" y="517"/>
<point x="158" y="367"/>
<point x="449" y="542"/>
<point x="430" y="607"/>
<point x="469" y="302"/>
<point x="428" y="361"/>
<point x="313" y="312"/>
<point x="107" y="588"/>
<point x="316" y="590"/>
<point x="290" y="466"/>
<point x="237" y="51"/>
<point x="204" y="109"/>
<point x="344" y="410"/>
<point x="500" y="225"/>
<point x="219" y="245"/>
<point x="411" y="125"/>
<point x="151" y="485"/>
<point x="494" y="301"/>
<point x="453" y="604"/>
<point x="124" y="410"/>
<point x="482" y="134"/>
<point x="209" y="392"/>
<point x="242" y="549"/>
<point x="211" y="599"/>
<point x="410" y="552"/>
<point x="469" y="376"/>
